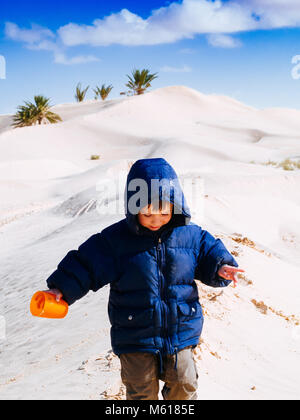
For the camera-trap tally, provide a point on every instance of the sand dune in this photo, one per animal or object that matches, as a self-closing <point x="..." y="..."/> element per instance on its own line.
<point x="251" y="342"/>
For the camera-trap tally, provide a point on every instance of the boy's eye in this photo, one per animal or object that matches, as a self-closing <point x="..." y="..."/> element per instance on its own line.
<point x="149" y="215"/>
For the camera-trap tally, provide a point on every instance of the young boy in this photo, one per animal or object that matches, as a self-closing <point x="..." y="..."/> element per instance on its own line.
<point x="151" y="259"/>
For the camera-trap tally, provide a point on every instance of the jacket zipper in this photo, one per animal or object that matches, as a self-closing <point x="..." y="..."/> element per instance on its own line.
<point x="162" y="295"/>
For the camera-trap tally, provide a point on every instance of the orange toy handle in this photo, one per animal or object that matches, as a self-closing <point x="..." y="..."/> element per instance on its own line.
<point x="44" y="305"/>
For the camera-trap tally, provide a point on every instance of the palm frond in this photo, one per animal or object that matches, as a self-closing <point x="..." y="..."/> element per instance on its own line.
<point x="33" y="113"/>
<point x="80" y="93"/>
<point x="103" y="92"/>
<point x="140" y="81"/>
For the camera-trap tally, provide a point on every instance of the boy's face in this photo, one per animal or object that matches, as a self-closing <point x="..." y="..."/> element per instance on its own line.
<point x="155" y="219"/>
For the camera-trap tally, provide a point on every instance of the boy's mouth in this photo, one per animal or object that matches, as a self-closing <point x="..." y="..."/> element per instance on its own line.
<point x="154" y="227"/>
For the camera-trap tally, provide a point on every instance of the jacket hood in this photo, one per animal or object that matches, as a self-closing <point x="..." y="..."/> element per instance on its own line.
<point x="159" y="175"/>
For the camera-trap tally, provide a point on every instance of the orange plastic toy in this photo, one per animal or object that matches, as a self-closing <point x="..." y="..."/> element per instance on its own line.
<point x="44" y="305"/>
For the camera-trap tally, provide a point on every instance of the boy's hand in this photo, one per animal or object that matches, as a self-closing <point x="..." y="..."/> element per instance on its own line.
<point x="229" y="272"/>
<point x="56" y="293"/>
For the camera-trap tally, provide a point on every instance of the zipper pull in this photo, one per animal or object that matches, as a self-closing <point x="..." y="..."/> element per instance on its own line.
<point x="159" y="243"/>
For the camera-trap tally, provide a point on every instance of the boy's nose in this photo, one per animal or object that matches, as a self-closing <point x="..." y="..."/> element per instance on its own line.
<point x="155" y="219"/>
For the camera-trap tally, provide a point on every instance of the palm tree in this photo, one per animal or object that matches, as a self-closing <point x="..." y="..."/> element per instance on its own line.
<point x="103" y="92"/>
<point x="80" y="94"/>
<point x="33" y="113"/>
<point x="24" y="117"/>
<point x="140" y="81"/>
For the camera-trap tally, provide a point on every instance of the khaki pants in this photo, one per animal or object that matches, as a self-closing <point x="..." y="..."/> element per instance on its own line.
<point x="140" y="374"/>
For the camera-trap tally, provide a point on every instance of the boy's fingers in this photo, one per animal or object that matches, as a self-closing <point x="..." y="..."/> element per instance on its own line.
<point x="235" y="280"/>
<point x="50" y="291"/>
<point x="234" y="268"/>
<point x="58" y="296"/>
<point x="56" y="293"/>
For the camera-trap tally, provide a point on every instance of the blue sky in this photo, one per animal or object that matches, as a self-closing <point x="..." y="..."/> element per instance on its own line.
<point x="243" y="49"/>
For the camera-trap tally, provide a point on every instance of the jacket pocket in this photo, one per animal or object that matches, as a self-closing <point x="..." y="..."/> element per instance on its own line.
<point x="133" y="318"/>
<point x="190" y="320"/>
<point x="188" y="311"/>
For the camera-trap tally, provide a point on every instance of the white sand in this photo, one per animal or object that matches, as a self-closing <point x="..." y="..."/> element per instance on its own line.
<point x="251" y="342"/>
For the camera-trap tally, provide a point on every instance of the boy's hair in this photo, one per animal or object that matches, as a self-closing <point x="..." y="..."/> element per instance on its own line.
<point x="159" y="206"/>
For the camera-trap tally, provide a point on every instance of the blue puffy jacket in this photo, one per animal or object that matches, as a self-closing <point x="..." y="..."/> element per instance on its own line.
<point x="153" y="305"/>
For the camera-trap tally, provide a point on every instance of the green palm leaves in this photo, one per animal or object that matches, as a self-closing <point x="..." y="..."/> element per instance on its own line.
<point x="140" y="81"/>
<point x="103" y="92"/>
<point x="80" y="93"/>
<point x="35" y="113"/>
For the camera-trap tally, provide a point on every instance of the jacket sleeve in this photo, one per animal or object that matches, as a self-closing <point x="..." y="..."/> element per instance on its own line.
<point x="90" y="267"/>
<point x="213" y="254"/>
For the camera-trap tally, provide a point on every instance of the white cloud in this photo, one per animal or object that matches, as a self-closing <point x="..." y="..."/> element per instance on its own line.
<point x="217" y="20"/>
<point x="61" y="58"/>
<point x="165" y="25"/>
<point x="42" y="39"/>
<point x="176" y="21"/>
<point x="223" y="41"/>
<point x="123" y="28"/>
<point x="29" y="36"/>
<point x="168" y="69"/>
<point x="273" y="14"/>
